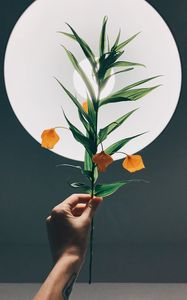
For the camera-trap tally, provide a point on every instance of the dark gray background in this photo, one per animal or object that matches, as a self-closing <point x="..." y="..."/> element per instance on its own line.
<point x="140" y="232"/>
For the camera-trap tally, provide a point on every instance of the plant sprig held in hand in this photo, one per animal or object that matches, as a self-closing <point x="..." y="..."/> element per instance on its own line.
<point x="96" y="162"/>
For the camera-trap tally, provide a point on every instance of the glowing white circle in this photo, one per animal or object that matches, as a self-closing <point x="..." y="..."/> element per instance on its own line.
<point x="34" y="56"/>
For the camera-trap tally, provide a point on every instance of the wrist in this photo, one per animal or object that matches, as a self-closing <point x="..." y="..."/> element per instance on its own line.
<point x="67" y="265"/>
<point x="64" y="272"/>
<point x="74" y="253"/>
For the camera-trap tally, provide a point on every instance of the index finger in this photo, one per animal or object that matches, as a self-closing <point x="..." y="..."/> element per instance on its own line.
<point x="72" y="201"/>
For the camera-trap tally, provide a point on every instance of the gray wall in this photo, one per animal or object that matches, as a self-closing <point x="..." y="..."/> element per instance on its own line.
<point x="140" y="232"/>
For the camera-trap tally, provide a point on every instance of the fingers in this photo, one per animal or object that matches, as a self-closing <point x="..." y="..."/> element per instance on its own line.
<point x="74" y="199"/>
<point x="78" y="209"/>
<point x="77" y="205"/>
<point x="48" y="219"/>
<point x="69" y="203"/>
<point x="91" y="207"/>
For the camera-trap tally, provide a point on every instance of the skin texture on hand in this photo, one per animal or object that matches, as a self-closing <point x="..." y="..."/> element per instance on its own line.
<point x="68" y="231"/>
<point x="69" y="223"/>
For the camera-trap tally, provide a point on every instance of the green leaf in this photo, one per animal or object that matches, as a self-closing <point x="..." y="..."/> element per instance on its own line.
<point x="128" y="87"/>
<point x="122" y="45"/>
<point x="106" y="62"/>
<point x="108" y="42"/>
<point x="68" y="34"/>
<point x="96" y="173"/>
<point x="81" y="72"/>
<point x="71" y="166"/>
<point x="87" y="162"/>
<point x="122" y="71"/>
<point x="86" y="173"/>
<point x="116" y="41"/>
<point x="134" y="94"/>
<point x="103" y="37"/>
<point x="125" y="64"/>
<point x="77" y="184"/>
<point x="84" y="122"/>
<point x="127" y="95"/>
<point x="104" y="132"/>
<point x="91" y="113"/>
<point x="118" y="145"/>
<point x="82" y="186"/>
<point x="75" y="101"/>
<point x="86" y="49"/>
<point x="103" y="82"/>
<point x="85" y="141"/>
<point x="104" y="190"/>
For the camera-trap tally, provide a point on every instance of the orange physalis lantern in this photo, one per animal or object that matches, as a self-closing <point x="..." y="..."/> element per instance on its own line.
<point x="85" y="106"/>
<point x="49" y="138"/>
<point x="133" y="163"/>
<point x="102" y="160"/>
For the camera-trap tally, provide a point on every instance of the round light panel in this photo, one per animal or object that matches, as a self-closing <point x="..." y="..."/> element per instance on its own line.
<point x="34" y="56"/>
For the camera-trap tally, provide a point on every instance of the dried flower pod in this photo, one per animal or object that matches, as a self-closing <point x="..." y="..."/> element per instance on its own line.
<point x="49" y="138"/>
<point x="102" y="160"/>
<point x="133" y="163"/>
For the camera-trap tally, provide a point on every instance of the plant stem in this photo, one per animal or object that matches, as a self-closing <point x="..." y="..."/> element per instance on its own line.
<point x="91" y="251"/>
<point x="92" y="229"/>
<point x="92" y="194"/>
<point x="122" y="153"/>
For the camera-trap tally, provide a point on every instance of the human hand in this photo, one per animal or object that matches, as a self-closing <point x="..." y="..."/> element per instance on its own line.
<point x="69" y="223"/>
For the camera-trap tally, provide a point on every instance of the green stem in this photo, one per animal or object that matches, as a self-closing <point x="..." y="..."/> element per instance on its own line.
<point x="92" y="229"/>
<point x="91" y="251"/>
<point x="92" y="194"/>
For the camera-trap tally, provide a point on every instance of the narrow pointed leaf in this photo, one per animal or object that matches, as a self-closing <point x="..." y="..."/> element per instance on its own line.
<point x="91" y="113"/>
<point x="96" y="174"/>
<point x="105" y="64"/>
<point x="88" y="167"/>
<point x="127" y="95"/>
<point x="71" y="166"/>
<point x="87" y="162"/>
<point x="104" y="132"/>
<point x="134" y="94"/>
<point x="86" y="49"/>
<point x="104" y="190"/>
<point x="118" y="145"/>
<point x="84" y="122"/>
<point x="81" y="186"/>
<point x="122" y="71"/>
<point x="139" y="83"/>
<point x="68" y="34"/>
<point x="125" y="64"/>
<point x="86" y="173"/>
<point x="122" y="45"/>
<point x="108" y="44"/>
<point x="75" y="101"/>
<point x="103" y="37"/>
<point x="117" y="40"/>
<point x="77" y="184"/>
<point x="85" y="141"/>
<point x="81" y="73"/>
<point x="73" y="98"/>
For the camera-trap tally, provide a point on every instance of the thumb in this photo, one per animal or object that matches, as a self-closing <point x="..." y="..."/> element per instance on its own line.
<point x="91" y="207"/>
